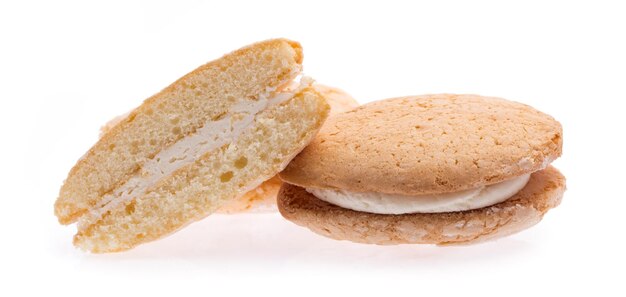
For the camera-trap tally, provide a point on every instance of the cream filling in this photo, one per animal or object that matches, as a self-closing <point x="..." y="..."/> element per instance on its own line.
<point x="213" y="135"/>
<point x="382" y="203"/>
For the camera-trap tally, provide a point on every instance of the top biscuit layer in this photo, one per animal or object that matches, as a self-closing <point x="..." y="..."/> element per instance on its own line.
<point x="427" y="144"/>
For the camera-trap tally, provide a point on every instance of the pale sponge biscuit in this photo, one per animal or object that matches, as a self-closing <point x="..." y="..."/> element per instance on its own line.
<point x="543" y="192"/>
<point x="149" y="175"/>
<point x="263" y="198"/>
<point x="427" y="144"/>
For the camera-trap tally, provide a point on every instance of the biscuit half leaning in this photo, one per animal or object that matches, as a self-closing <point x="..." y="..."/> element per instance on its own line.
<point x="209" y="137"/>
<point x="434" y="169"/>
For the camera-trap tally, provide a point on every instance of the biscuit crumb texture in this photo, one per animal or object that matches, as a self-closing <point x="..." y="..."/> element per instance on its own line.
<point x="427" y="145"/>
<point x="204" y="94"/>
<point x="197" y="190"/>
<point x="543" y="192"/>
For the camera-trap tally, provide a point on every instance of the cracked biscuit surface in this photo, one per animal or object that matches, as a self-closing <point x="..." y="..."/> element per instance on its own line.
<point x="427" y="144"/>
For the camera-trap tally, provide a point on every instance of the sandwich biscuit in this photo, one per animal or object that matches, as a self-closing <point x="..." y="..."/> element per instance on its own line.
<point x="208" y="138"/>
<point x="435" y="169"/>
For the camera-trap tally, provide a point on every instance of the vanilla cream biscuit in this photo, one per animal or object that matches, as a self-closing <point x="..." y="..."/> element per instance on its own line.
<point x="208" y="138"/>
<point x="438" y="169"/>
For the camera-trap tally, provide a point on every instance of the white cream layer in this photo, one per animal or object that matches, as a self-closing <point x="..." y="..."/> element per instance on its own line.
<point x="213" y="135"/>
<point x="382" y="203"/>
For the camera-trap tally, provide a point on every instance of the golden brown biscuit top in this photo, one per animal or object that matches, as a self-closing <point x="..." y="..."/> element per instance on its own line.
<point x="427" y="144"/>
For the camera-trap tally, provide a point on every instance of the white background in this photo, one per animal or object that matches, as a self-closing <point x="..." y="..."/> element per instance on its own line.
<point x="67" y="68"/>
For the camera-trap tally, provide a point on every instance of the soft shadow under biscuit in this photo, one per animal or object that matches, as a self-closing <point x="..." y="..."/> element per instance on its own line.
<point x="543" y="192"/>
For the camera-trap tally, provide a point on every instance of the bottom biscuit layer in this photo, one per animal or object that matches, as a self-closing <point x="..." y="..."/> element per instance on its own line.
<point x="543" y="192"/>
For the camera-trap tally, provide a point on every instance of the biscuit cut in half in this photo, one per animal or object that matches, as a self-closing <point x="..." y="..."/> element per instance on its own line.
<point x="263" y="197"/>
<point x="434" y="169"/>
<point x="208" y="138"/>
